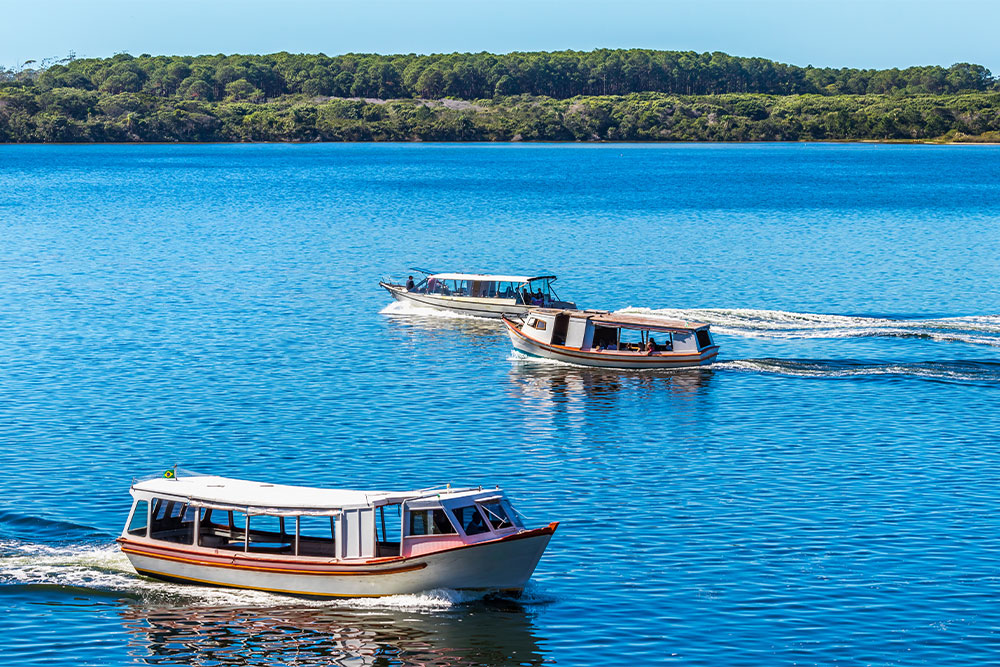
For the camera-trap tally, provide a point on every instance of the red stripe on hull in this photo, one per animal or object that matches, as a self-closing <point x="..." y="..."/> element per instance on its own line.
<point x="251" y="562"/>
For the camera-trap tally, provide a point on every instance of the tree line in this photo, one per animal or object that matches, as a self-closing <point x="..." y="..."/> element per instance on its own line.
<point x="74" y="115"/>
<point x="559" y="75"/>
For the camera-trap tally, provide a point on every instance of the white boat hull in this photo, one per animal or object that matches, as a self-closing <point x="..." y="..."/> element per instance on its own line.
<point x="661" y="360"/>
<point x="475" y="307"/>
<point x="501" y="564"/>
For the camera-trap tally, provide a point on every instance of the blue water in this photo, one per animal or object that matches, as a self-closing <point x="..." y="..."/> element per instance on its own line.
<point x="827" y="493"/>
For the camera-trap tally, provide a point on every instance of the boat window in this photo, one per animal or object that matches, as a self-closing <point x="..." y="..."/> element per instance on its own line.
<point x="537" y="324"/>
<point x="140" y="519"/>
<point x="542" y="286"/>
<point x="316" y="536"/>
<point x="471" y="520"/>
<point x="605" y="338"/>
<point x="387" y="523"/>
<point x="507" y="290"/>
<point x="430" y="522"/>
<point x="490" y="290"/>
<point x="482" y="289"/>
<point x="496" y="515"/>
<point x="512" y="513"/>
<point x="267" y="534"/>
<point x="172" y="521"/>
<point x="632" y="340"/>
<point x="552" y="292"/>
<point x="238" y="529"/>
<point x="215" y="528"/>
<point x="704" y="340"/>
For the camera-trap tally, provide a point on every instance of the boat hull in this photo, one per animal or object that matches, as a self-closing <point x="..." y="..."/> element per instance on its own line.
<point x="526" y="345"/>
<point x="491" y="308"/>
<point x="501" y="564"/>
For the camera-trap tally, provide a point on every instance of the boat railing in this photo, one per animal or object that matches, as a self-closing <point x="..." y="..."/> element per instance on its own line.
<point x="396" y="281"/>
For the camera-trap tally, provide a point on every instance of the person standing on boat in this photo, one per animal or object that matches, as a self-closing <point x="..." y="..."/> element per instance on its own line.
<point x="409" y="284"/>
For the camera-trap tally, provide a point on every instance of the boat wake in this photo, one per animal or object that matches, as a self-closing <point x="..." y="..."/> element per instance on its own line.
<point x="961" y="372"/>
<point x="964" y="372"/>
<point x="779" y="324"/>
<point x="410" y="309"/>
<point x="102" y="569"/>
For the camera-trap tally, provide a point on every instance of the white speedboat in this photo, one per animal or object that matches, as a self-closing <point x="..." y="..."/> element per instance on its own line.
<point x="611" y="340"/>
<point x="315" y="542"/>
<point x="477" y="294"/>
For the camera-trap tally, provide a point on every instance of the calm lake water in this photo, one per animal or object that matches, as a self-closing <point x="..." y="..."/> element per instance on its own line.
<point x="827" y="493"/>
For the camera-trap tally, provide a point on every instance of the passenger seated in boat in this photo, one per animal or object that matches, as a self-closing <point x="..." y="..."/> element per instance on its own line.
<point x="537" y="300"/>
<point x="525" y="296"/>
<point x="651" y="347"/>
<point x="612" y="346"/>
<point x="410" y="284"/>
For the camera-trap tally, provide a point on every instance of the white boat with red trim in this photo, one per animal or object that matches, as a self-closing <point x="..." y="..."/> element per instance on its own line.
<point x="476" y="294"/>
<point x="325" y="543"/>
<point x="611" y="340"/>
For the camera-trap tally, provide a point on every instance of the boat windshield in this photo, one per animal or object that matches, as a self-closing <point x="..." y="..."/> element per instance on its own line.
<point x="543" y="285"/>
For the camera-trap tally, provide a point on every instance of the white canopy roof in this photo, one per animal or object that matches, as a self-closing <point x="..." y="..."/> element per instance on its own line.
<point x="213" y="490"/>
<point x="488" y="277"/>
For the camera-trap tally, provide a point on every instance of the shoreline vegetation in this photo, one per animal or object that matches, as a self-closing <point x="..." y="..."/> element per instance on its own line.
<point x="603" y="95"/>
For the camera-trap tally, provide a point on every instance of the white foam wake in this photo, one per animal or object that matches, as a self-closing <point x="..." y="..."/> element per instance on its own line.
<point x="945" y="371"/>
<point x="410" y="309"/>
<point x="105" y="568"/>
<point x="751" y="323"/>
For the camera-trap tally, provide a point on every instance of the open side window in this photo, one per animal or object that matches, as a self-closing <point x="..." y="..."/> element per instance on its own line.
<point x="317" y="536"/>
<point x="215" y="528"/>
<point x="704" y="339"/>
<point x="387" y="527"/>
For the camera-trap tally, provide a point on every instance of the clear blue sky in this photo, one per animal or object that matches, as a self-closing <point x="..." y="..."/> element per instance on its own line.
<point x="852" y="33"/>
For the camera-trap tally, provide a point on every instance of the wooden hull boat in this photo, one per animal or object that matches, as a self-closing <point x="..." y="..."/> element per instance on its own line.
<point x="594" y="338"/>
<point x="254" y="536"/>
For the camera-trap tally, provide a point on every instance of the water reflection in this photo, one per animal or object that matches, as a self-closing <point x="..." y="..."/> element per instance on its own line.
<point x="485" y="633"/>
<point x="559" y="383"/>
<point x="417" y="326"/>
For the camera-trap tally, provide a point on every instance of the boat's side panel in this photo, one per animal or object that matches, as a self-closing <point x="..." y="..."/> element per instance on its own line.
<point x="524" y="344"/>
<point x="499" y="564"/>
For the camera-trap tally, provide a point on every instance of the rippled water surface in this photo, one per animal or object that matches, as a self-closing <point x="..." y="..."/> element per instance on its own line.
<point x="827" y="493"/>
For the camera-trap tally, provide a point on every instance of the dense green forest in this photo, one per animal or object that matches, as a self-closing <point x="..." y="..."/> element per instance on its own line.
<point x="632" y="95"/>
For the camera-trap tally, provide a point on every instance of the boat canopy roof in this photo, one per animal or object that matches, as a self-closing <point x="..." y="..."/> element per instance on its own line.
<point x="210" y="490"/>
<point x="483" y="277"/>
<point x="625" y="320"/>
